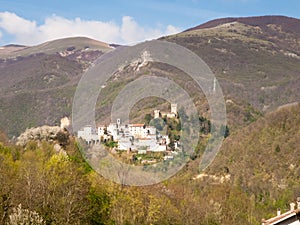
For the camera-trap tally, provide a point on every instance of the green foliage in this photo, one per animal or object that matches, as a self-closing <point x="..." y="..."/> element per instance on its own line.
<point x="63" y="138"/>
<point x="225" y="131"/>
<point x="111" y="144"/>
<point x="99" y="207"/>
<point x="63" y="189"/>
<point x="267" y="153"/>
<point x="75" y="154"/>
<point x="205" y="125"/>
<point x="147" y="118"/>
<point x="277" y="149"/>
<point x="158" y="123"/>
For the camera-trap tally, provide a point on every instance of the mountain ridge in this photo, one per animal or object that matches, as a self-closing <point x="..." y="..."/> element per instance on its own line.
<point x="249" y="61"/>
<point x="257" y="70"/>
<point x="54" y="46"/>
<point x="290" y="24"/>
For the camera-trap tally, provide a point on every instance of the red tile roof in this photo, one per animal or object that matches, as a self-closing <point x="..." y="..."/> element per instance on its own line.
<point x="136" y="125"/>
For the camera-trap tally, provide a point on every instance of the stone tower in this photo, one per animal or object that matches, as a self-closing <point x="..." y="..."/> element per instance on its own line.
<point x="156" y="114"/>
<point x="174" y="108"/>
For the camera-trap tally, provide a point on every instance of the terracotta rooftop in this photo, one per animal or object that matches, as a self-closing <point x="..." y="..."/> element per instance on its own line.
<point x="137" y="125"/>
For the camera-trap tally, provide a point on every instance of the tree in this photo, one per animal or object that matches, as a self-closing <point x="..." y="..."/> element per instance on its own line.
<point x="8" y="178"/>
<point x="99" y="203"/>
<point x="63" y="138"/>
<point x="52" y="185"/>
<point x="68" y="190"/>
<point x="24" y="217"/>
<point x="225" y="131"/>
<point x="148" y="118"/>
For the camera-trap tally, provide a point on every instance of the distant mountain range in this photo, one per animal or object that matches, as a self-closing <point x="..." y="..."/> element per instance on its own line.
<point x="255" y="59"/>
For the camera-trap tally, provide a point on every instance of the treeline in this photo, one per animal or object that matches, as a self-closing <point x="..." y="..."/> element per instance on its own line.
<point x="41" y="185"/>
<point x="54" y="188"/>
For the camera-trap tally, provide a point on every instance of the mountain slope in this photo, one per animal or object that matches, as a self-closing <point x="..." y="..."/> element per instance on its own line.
<point x="256" y="171"/>
<point x="288" y="24"/>
<point x="267" y="150"/>
<point x="53" y="47"/>
<point x="37" y="83"/>
<point x="255" y="59"/>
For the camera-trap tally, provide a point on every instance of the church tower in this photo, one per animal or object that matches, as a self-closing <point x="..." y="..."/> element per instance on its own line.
<point x="174" y="108"/>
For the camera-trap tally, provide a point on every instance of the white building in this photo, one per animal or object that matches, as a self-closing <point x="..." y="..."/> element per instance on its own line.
<point x="129" y="137"/>
<point x="89" y="134"/>
<point x="101" y="130"/>
<point x="290" y="217"/>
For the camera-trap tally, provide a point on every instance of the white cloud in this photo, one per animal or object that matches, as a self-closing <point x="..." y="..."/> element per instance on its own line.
<point x="172" y="30"/>
<point x="131" y="32"/>
<point x="14" y="24"/>
<point x="128" y="32"/>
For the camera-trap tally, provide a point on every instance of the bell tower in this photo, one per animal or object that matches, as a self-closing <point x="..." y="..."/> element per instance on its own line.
<point x="174" y="108"/>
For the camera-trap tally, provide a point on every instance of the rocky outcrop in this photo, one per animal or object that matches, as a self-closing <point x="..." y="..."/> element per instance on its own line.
<point x="43" y="133"/>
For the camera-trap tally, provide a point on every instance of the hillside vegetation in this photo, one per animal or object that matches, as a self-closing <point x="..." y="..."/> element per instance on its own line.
<point x="263" y="158"/>
<point x="37" y="83"/>
<point x="256" y="171"/>
<point x="256" y="61"/>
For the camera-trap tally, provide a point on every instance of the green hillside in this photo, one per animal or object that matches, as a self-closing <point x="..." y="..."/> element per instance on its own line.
<point x="256" y="172"/>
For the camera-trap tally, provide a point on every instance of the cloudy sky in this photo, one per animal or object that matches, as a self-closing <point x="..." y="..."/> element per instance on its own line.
<point x="32" y="22"/>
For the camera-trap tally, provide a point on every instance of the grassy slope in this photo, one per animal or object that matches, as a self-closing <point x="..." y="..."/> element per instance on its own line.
<point x="52" y="47"/>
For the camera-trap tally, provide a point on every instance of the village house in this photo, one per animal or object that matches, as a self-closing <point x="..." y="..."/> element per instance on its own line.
<point x="291" y="217"/>
<point x="131" y="137"/>
<point x="89" y="134"/>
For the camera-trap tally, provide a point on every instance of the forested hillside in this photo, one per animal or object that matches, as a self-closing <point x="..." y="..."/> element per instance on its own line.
<point x="256" y="171"/>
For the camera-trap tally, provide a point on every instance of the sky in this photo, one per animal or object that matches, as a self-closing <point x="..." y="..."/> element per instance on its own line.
<point x="33" y="22"/>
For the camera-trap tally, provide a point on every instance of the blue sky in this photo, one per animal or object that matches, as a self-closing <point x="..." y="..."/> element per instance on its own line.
<point x="126" y="22"/>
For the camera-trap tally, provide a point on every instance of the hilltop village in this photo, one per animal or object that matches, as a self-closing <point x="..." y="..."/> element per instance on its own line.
<point x="139" y="138"/>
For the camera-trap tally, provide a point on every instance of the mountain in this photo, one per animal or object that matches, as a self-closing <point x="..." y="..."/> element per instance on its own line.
<point x="52" y="47"/>
<point x="37" y="83"/>
<point x="255" y="172"/>
<point x="288" y="24"/>
<point x="256" y="61"/>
